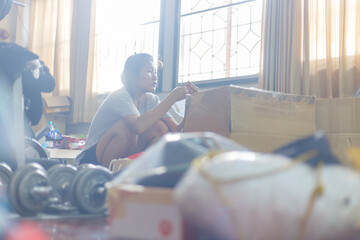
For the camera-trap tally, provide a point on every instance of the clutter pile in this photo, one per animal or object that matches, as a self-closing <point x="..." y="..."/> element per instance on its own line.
<point x="221" y="190"/>
<point x="204" y="185"/>
<point x="50" y="137"/>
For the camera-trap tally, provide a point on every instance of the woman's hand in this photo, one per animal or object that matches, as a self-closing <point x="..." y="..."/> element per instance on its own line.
<point x="192" y="88"/>
<point x="178" y="93"/>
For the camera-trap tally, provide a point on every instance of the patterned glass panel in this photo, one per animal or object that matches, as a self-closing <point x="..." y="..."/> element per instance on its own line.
<point x="221" y="42"/>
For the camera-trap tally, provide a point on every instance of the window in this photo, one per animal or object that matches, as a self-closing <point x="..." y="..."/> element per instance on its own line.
<point x="123" y="28"/>
<point x="219" y="39"/>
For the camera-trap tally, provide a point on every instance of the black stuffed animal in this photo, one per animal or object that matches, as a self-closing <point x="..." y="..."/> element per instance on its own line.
<point x="13" y="59"/>
<point x="16" y="61"/>
<point x="36" y="78"/>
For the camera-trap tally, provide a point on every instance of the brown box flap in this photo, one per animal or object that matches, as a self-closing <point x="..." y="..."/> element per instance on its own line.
<point x="57" y="101"/>
<point x="209" y="111"/>
<point x="55" y="104"/>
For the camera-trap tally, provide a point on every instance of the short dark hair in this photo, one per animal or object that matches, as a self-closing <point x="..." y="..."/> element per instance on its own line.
<point x="133" y="65"/>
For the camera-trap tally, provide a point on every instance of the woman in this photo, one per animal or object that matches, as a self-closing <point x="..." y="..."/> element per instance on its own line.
<point x="132" y="118"/>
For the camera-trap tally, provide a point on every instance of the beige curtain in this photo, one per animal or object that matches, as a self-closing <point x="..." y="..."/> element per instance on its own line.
<point x="91" y="96"/>
<point x="49" y="37"/>
<point x="311" y="47"/>
<point x="84" y="84"/>
<point x="65" y="42"/>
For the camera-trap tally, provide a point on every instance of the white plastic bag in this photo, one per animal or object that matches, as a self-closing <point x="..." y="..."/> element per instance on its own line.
<point x="253" y="196"/>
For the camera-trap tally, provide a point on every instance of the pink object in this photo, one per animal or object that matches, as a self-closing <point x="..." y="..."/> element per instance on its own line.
<point x="136" y="155"/>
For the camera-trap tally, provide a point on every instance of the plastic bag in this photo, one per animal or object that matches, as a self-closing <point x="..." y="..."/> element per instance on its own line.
<point x="53" y="133"/>
<point x="164" y="163"/>
<point x="248" y="195"/>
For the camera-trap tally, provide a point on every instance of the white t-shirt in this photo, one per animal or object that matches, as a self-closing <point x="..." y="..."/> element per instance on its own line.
<point x="115" y="107"/>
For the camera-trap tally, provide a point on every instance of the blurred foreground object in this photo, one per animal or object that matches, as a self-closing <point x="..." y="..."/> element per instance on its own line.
<point x="248" y="195"/>
<point x="13" y="60"/>
<point x="164" y="163"/>
<point x="143" y="191"/>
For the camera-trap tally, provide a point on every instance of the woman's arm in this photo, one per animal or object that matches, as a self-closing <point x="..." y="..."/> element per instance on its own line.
<point x="170" y="122"/>
<point x="172" y="125"/>
<point x="141" y="123"/>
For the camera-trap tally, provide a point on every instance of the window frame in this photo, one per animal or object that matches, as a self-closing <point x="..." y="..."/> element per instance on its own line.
<point x="171" y="14"/>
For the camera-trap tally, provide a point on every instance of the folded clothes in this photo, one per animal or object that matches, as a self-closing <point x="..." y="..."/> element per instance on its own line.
<point x="54" y="139"/>
<point x="68" y="142"/>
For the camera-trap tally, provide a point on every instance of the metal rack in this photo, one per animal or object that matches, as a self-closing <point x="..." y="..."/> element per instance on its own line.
<point x="12" y="114"/>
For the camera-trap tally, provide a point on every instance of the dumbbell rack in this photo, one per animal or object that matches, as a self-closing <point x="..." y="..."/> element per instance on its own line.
<point x="12" y="110"/>
<point x="12" y="116"/>
<point x="60" y="192"/>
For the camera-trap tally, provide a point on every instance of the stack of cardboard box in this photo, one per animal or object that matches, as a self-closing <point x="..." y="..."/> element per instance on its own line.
<point x="260" y="120"/>
<point x="264" y="121"/>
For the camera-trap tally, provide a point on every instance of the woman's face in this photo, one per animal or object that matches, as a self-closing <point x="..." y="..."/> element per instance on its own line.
<point x="147" y="79"/>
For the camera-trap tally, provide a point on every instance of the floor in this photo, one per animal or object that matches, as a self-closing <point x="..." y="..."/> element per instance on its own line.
<point x="55" y="228"/>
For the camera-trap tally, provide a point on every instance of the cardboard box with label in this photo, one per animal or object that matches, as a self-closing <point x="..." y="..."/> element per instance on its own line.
<point x="257" y="119"/>
<point x="138" y="212"/>
<point x="56" y="109"/>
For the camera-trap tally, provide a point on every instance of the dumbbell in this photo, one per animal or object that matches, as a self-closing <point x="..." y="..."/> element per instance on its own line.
<point x="60" y="177"/>
<point x="29" y="189"/>
<point x="87" y="190"/>
<point x="32" y="190"/>
<point x="82" y="188"/>
<point x="5" y="176"/>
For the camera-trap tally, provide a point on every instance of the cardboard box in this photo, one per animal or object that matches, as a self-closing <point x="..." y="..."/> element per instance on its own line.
<point x="247" y="115"/>
<point x="56" y="104"/>
<point x="138" y="212"/>
<point x="56" y="109"/>
<point x="341" y="142"/>
<point x="268" y="112"/>
<point x="340" y="115"/>
<point x="339" y="118"/>
<point x="209" y="111"/>
<point x="261" y="142"/>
